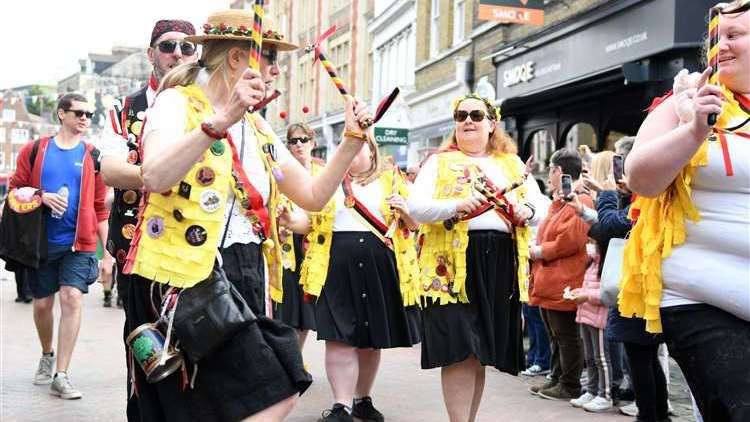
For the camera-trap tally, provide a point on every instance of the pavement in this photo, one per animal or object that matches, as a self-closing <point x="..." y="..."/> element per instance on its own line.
<point x="403" y="391"/>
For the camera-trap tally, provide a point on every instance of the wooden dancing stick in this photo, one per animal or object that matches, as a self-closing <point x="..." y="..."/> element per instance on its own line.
<point x="331" y="69"/>
<point x="713" y="51"/>
<point x="256" y="37"/>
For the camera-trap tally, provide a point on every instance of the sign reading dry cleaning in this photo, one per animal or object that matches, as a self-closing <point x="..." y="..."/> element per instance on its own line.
<point x="528" y="12"/>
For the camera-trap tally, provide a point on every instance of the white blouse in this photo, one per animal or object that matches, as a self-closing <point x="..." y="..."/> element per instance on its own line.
<point x="713" y="265"/>
<point x="371" y="196"/>
<point x="168" y="117"/>
<point x="425" y="209"/>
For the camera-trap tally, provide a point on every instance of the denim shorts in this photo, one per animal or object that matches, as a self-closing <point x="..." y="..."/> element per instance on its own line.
<point x="64" y="267"/>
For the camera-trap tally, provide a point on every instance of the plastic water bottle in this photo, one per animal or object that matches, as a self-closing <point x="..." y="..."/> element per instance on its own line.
<point x="63" y="192"/>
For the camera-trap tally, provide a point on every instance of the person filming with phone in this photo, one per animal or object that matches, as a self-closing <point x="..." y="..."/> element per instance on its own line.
<point x="560" y="261"/>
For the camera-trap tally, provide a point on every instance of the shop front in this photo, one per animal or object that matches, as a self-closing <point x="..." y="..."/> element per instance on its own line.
<point x="588" y="82"/>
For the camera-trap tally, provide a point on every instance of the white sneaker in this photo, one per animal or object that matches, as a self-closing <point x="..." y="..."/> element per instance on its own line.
<point x="62" y="388"/>
<point x="45" y="370"/>
<point x="534" y="370"/>
<point x="630" y="410"/>
<point x="599" y="404"/>
<point x="580" y="401"/>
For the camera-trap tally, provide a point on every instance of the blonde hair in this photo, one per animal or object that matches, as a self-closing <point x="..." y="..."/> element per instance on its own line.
<point x="376" y="164"/>
<point x="601" y="167"/>
<point x="214" y="59"/>
<point x="499" y="141"/>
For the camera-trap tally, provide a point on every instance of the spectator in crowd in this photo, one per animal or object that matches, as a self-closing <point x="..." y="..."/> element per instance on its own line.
<point x="560" y="261"/>
<point x="65" y="168"/>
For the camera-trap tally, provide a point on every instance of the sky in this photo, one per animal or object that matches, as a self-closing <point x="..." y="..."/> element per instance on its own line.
<point x="42" y="40"/>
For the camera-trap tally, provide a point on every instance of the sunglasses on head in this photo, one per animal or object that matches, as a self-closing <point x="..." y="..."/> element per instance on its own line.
<point x="301" y="140"/>
<point x="476" y="115"/>
<point x="168" y="46"/>
<point x="270" y="54"/>
<point x="81" y="113"/>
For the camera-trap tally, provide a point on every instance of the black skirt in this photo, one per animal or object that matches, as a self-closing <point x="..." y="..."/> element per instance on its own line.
<point x="260" y="366"/>
<point x="294" y="311"/>
<point x="361" y="304"/>
<point x="489" y="326"/>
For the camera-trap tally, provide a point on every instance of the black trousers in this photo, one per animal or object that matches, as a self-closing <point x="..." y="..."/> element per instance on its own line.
<point x="712" y="348"/>
<point x="567" y="350"/>
<point x="649" y="383"/>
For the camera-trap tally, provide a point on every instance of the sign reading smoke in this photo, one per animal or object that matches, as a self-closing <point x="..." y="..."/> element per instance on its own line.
<point x="525" y="12"/>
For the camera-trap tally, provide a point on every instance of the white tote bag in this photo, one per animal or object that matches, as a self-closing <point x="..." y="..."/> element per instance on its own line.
<point x="612" y="272"/>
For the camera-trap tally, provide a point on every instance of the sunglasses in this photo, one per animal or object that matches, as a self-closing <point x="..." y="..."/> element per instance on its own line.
<point x="168" y="46"/>
<point x="301" y="140"/>
<point x="81" y="113"/>
<point x="476" y="115"/>
<point x="270" y="54"/>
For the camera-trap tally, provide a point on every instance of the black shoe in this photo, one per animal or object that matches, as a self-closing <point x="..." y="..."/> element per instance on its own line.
<point x="337" y="413"/>
<point x="119" y="301"/>
<point x="108" y="299"/>
<point x="363" y="409"/>
<point x="28" y="299"/>
<point x="19" y="299"/>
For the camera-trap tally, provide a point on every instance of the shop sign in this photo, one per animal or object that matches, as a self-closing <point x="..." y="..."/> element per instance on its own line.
<point x="517" y="74"/>
<point x="385" y="135"/>
<point x="525" y="12"/>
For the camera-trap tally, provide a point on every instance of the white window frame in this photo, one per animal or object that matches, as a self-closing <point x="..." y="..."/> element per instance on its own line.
<point x="459" y="21"/>
<point x="434" y="28"/>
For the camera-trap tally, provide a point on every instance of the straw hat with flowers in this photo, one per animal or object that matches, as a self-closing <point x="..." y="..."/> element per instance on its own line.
<point x="236" y="24"/>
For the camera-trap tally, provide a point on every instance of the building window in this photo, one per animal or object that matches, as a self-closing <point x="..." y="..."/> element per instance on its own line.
<point x="2" y="159"/>
<point x="542" y="147"/>
<point x="459" y="21"/>
<point x="581" y="134"/>
<point x="19" y="136"/>
<point x="435" y="28"/>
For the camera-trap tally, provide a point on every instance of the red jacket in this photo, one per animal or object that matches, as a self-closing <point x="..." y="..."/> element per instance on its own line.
<point x="563" y="236"/>
<point x="91" y="208"/>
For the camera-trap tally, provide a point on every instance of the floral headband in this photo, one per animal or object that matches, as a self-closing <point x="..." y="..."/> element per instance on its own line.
<point x="494" y="112"/>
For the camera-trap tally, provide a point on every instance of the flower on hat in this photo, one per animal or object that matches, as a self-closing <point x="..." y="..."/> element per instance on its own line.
<point x="271" y="34"/>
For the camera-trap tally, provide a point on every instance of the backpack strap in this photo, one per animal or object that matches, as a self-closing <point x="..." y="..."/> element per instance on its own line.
<point x="34" y="151"/>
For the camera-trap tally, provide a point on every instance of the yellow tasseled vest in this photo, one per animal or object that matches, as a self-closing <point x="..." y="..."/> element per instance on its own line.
<point x="177" y="236"/>
<point x="315" y="266"/>
<point x="442" y="256"/>
<point x="660" y="226"/>
<point x="288" y="256"/>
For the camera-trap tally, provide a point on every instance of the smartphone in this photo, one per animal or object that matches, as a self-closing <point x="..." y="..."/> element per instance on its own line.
<point x="567" y="185"/>
<point x="618" y="166"/>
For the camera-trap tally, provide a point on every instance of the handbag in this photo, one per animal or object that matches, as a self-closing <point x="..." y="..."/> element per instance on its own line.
<point x="209" y="314"/>
<point x="612" y="272"/>
<point x="23" y="238"/>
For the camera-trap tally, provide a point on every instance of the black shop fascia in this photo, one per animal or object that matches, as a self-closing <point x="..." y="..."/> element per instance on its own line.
<point x="588" y="80"/>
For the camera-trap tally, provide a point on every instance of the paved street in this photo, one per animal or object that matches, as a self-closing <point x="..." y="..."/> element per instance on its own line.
<point x="403" y="392"/>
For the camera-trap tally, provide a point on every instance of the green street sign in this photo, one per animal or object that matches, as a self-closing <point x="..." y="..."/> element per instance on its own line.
<point x="384" y="136"/>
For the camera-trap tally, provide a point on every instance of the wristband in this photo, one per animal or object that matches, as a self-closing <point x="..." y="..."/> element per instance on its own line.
<point x="208" y="128"/>
<point x="359" y="135"/>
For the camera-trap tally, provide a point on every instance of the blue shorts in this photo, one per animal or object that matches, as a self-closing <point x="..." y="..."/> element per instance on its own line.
<point x="63" y="267"/>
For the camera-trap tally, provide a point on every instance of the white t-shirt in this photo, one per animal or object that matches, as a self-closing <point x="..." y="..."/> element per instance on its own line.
<point x="425" y="209"/>
<point x="168" y="117"/>
<point x="713" y="265"/>
<point x="371" y="196"/>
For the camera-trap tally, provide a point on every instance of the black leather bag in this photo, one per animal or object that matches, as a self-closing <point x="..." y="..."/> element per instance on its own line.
<point x="209" y="314"/>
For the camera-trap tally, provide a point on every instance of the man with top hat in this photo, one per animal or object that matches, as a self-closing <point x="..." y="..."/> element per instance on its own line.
<point x="167" y="49"/>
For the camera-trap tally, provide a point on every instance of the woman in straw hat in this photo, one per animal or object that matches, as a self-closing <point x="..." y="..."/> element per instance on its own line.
<point x="192" y="169"/>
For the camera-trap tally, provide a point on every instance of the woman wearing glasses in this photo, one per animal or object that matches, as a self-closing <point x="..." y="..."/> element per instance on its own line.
<point x="295" y="311"/>
<point x="474" y="259"/>
<point x="196" y="183"/>
<point x="361" y="265"/>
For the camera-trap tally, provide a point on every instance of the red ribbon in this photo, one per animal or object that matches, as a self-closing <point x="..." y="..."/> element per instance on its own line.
<point x="361" y="209"/>
<point x="320" y="40"/>
<point x="153" y="83"/>
<point x="257" y="207"/>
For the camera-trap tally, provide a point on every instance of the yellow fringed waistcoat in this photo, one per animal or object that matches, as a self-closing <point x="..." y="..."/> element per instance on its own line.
<point x="178" y="232"/>
<point x="315" y="266"/>
<point x="442" y="257"/>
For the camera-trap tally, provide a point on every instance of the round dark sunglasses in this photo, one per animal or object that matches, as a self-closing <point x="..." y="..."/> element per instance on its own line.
<point x="476" y="115"/>
<point x="301" y="140"/>
<point x="168" y="46"/>
<point x="81" y="113"/>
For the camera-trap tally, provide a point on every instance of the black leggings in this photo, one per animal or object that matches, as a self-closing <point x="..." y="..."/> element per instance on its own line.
<point x="649" y="383"/>
<point x="712" y="348"/>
